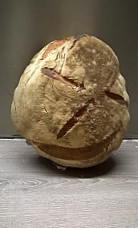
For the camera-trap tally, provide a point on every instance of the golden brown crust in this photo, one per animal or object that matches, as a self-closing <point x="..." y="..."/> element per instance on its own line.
<point x="54" y="45"/>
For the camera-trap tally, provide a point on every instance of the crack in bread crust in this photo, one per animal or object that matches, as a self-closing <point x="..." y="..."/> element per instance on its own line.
<point x="75" y="119"/>
<point x="51" y="73"/>
<point x="82" y="153"/>
<point x="116" y="97"/>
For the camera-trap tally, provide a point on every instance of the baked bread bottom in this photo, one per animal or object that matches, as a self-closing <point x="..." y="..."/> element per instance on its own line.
<point x="79" y="157"/>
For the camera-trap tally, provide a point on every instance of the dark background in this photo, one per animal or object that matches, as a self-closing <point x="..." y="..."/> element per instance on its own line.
<point x="27" y="25"/>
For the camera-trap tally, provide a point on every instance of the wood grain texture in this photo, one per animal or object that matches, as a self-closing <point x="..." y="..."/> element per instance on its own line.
<point x="34" y="193"/>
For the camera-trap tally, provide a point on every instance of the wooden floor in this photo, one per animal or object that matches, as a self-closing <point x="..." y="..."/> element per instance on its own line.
<point x="35" y="194"/>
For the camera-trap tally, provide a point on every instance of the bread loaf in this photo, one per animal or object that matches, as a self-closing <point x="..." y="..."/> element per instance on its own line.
<point x="71" y="102"/>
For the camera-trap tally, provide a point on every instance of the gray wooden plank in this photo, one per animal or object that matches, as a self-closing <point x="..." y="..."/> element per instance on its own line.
<point x="34" y="193"/>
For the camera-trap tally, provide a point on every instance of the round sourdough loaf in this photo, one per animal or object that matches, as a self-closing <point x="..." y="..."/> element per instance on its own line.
<point x="71" y="102"/>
